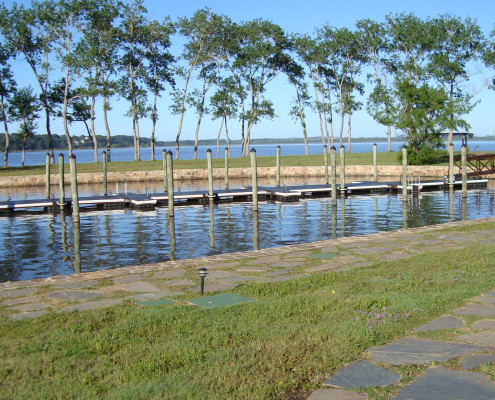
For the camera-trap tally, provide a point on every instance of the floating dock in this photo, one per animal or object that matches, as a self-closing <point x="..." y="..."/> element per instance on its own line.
<point x="276" y="193"/>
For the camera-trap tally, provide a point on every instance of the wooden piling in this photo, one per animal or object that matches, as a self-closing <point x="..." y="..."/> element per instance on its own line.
<point x="210" y="173"/>
<point x="375" y="167"/>
<point x="47" y="175"/>
<point x="227" y="156"/>
<point x="164" y="158"/>
<point x="61" y="181"/>
<point x="77" y="247"/>
<point x="464" y="170"/>
<point x="404" y="173"/>
<point x="325" y="160"/>
<point x="105" y="172"/>
<point x="333" y="164"/>
<point x="451" y="165"/>
<point x="254" y="170"/>
<point x="277" y="175"/>
<point x="170" y="184"/>
<point x="171" y="231"/>
<point x="73" y="185"/>
<point x="342" y="170"/>
<point x="256" y="231"/>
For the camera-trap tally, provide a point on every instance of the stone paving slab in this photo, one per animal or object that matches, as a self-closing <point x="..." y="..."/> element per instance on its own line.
<point x="414" y="351"/>
<point x="439" y="383"/>
<point x="395" y="256"/>
<point x="336" y="394"/>
<point x="485" y="299"/>
<point x="441" y="323"/>
<point x="472" y="362"/>
<point x="363" y="374"/>
<point x="278" y="272"/>
<point x="73" y="295"/>
<point x="30" y="307"/>
<point x="16" y="293"/>
<point x="482" y="338"/>
<point x="92" y="305"/>
<point x="138" y="286"/>
<point x="128" y="278"/>
<point x="77" y="284"/>
<point x="481" y="310"/>
<point x="371" y="250"/>
<point x="252" y="269"/>
<point x="27" y="315"/>
<point x="282" y="278"/>
<point x="322" y="267"/>
<point x="20" y="300"/>
<point x="179" y="282"/>
<point x="220" y="274"/>
<point x="264" y="260"/>
<point x="304" y="253"/>
<point x="168" y="274"/>
<point x="484" y="324"/>
<point x="152" y="296"/>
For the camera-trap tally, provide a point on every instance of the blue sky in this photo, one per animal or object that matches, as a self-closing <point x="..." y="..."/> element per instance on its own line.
<point x="300" y="17"/>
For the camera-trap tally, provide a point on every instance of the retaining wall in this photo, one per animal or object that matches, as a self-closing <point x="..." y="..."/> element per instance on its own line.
<point x="392" y="171"/>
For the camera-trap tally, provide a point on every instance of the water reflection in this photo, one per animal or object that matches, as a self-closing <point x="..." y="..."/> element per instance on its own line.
<point x="44" y="245"/>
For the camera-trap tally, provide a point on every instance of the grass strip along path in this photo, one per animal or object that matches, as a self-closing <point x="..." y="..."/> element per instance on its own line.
<point x="282" y="345"/>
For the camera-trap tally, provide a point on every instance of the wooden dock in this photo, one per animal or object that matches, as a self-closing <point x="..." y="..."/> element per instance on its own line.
<point x="276" y="193"/>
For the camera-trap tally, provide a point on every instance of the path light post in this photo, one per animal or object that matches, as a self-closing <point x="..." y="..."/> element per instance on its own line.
<point x="202" y="272"/>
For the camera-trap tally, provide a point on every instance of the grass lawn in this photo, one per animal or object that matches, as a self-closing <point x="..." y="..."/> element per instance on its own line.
<point x="118" y="166"/>
<point x="282" y="345"/>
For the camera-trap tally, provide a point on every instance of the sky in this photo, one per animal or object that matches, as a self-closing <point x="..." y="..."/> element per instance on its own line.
<point x="294" y="17"/>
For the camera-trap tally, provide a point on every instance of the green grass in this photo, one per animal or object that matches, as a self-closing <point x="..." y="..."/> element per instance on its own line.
<point x="284" y="344"/>
<point x="118" y="166"/>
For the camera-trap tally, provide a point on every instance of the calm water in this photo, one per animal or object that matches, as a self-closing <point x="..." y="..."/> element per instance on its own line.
<point x="44" y="245"/>
<point x="186" y="152"/>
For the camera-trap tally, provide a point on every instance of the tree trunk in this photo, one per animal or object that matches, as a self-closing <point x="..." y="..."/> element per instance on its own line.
<point x="23" y="156"/>
<point x="7" y="136"/>
<point x="218" y="139"/>
<point x="389" y="148"/>
<point x="183" y="100"/>
<point x="93" y="133"/>
<point x="318" y="107"/>
<point x="196" y="135"/>
<point x="153" y="127"/>
<point x="349" y="132"/>
<point x="138" y="144"/>
<point x="227" y="134"/>
<point x="107" y="127"/>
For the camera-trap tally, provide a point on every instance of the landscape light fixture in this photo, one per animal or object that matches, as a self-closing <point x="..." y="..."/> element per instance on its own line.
<point x="202" y="273"/>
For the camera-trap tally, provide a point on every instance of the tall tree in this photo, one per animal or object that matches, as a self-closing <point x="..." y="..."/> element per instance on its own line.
<point x="224" y="106"/>
<point x="376" y="43"/>
<point x="28" y="36"/>
<point x="205" y="33"/>
<point x="101" y="45"/>
<point x="301" y="101"/>
<point x="24" y="107"/>
<point x="7" y="90"/>
<point x="458" y="43"/>
<point x="262" y="54"/>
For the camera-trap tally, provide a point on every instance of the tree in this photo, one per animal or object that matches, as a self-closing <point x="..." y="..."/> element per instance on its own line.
<point x="25" y="33"/>
<point x="458" y="44"/>
<point x="223" y="104"/>
<point x="296" y="78"/>
<point x="7" y="90"/>
<point x="376" y="43"/>
<point x="67" y="20"/>
<point x="205" y="34"/>
<point x="138" y="37"/>
<point x="262" y="54"/>
<point x="101" y="45"/>
<point x="158" y="71"/>
<point x="24" y="107"/>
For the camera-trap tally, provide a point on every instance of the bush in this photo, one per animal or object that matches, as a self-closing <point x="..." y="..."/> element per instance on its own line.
<point x="425" y="156"/>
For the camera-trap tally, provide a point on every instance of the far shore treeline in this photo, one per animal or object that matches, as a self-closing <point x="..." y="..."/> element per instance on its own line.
<point x="84" y="53"/>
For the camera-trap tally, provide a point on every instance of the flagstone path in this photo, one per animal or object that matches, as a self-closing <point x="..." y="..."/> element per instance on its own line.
<point x="452" y="368"/>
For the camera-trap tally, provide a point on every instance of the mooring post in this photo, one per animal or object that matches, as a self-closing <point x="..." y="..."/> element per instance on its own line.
<point x="210" y="173"/>
<point x="226" y="168"/>
<point x="61" y="180"/>
<point x="171" y="231"/>
<point x="73" y="185"/>
<point x="254" y="179"/>
<point x="77" y="246"/>
<point x="256" y="231"/>
<point x="375" y="167"/>
<point x="333" y="164"/>
<point x="47" y="175"/>
<point x="404" y="215"/>
<point x="404" y="173"/>
<point x="277" y="175"/>
<point x="170" y="184"/>
<point x="325" y="160"/>
<point x="342" y="170"/>
<point x="105" y="171"/>
<point x="451" y="164"/>
<point x="164" y="160"/>
<point x="464" y="170"/>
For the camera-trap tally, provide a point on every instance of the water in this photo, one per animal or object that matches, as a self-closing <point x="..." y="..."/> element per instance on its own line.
<point x="186" y="152"/>
<point x="35" y="246"/>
